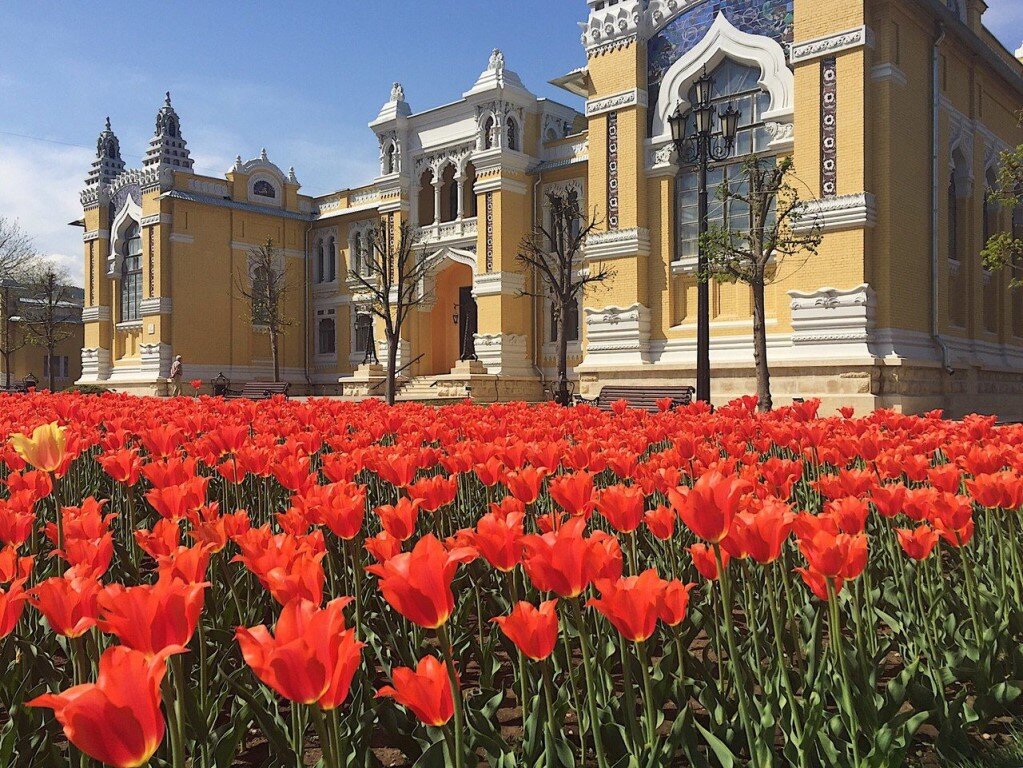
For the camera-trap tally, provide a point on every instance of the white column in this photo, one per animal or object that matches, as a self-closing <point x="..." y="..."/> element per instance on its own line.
<point x="437" y="184"/>
<point x="460" y="181"/>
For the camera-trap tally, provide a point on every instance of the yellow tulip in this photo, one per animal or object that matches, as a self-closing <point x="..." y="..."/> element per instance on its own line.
<point x="45" y="450"/>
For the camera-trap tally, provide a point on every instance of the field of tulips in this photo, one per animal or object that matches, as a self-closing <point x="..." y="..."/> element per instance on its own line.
<point x="193" y="582"/>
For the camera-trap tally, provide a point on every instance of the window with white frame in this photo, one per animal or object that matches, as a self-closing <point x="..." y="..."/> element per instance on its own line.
<point x="131" y="274"/>
<point x="326" y="332"/>
<point x="737" y="85"/>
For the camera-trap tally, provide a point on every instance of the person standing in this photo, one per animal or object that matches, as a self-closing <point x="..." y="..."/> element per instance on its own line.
<point x="175" y="377"/>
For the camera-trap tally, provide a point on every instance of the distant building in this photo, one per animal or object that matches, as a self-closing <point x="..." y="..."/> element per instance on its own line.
<point x="895" y="113"/>
<point x="18" y="307"/>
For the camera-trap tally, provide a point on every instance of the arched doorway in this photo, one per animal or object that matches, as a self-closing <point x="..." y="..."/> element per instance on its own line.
<point x="449" y="331"/>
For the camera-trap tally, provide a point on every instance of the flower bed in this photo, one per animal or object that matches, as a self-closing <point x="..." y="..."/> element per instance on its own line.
<point x="217" y="583"/>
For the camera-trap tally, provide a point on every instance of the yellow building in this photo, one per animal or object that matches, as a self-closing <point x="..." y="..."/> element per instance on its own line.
<point x="895" y="112"/>
<point x="21" y="355"/>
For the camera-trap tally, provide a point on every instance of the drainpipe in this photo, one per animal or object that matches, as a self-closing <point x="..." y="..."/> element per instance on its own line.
<point x="936" y="197"/>
<point x="307" y="335"/>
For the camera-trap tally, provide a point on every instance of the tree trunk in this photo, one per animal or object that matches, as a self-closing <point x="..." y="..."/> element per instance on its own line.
<point x="562" y="396"/>
<point x="760" y="346"/>
<point x="273" y="355"/>
<point x="7" y="369"/>
<point x="50" y="352"/>
<point x="391" y="382"/>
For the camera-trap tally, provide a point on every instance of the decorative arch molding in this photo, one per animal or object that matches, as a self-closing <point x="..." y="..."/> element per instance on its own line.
<point x="439" y="261"/>
<point x="724" y="41"/>
<point x="130" y="212"/>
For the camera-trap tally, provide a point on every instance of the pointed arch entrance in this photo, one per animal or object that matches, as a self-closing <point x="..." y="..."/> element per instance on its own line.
<point x="448" y="323"/>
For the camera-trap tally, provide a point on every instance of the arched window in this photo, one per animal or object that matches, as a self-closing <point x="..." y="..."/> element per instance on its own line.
<point x="576" y="213"/>
<point x="512" y="133"/>
<point x="264" y="188"/>
<point x="990" y="207"/>
<point x="389" y="159"/>
<point x="369" y="256"/>
<point x="131" y="274"/>
<point x="325" y="336"/>
<point x="571" y="320"/>
<point x="953" y="219"/>
<point x="488" y="133"/>
<point x="331" y="261"/>
<point x="469" y="192"/>
<point x="320" y="271"/>
<point x="356" y="265"/>
<point x="363" y="332"/>
<point x="737" y="85"/>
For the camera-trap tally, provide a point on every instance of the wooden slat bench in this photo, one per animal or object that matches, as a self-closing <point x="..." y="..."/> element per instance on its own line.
<point x="643" y="398"/>
<point x="260" y="390"/>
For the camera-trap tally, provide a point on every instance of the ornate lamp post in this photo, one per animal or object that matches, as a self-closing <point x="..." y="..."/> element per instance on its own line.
<point x="699" y="148"/>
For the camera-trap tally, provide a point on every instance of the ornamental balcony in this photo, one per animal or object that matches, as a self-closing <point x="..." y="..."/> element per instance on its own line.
<point x="458" y="232"/>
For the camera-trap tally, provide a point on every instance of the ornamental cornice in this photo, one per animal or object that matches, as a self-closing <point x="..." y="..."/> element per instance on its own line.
<point x="155" y="305"/>
<point x="619" y="243"/>
<point x="96" y="234"/>
<point x="156" y="218"/>
<point x="831" y="44"/>
<point x="837" y="213"/>
<point x="97" y="314"/>
<point x="630" y="98"/>
<point x="613" y="45"/>
<point x="498" y="283"/>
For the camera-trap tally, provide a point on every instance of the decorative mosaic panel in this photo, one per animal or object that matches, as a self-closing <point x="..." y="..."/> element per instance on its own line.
<point x="770" y="18"/>
<point x="92" y="275"/>
<point x="490" y="231"/>
<point x="131" y="190"/>
<point x="612" y="170"/>
<point x="829" y="123"/>
<point x="152" y="264"/>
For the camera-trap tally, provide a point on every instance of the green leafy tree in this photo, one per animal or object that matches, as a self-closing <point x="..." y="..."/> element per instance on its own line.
<point x="1004" y="250"/>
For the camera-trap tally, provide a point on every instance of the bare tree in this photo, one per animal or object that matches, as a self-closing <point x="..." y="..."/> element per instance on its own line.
<point x="393" y="278"/>
<point x="49" y="314"/>
<point x="749" y="255"/>
<point x="263" y="282"/>
<point x="17" y="254"/>
<point x="554" y="251"/>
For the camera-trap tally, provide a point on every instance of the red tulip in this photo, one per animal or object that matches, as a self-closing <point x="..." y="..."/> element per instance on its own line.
<point x="311" y="658"/>
<point x="573" y="493"/>
<point x="13" y="566"/>
<point x="498" y="539"/>
<point x="399" y="519"/>
<point x="117" y="719"/>
<point x="709" y="507"/>
<point x="563" y="561"/>
<point x="383" y="546"/>
<point x="919" y="542"/>
<point x="674" y="602"/>
<point x="417" y="584"/>
<point x="68" y="602"/>
<point x="12" y="603"/>
<point x="632" y="604"/>
<point x="622" y="506"/>
<point x="533" y="630"/>
<point x="764" y="533"/>
<point x="660" y="522"/>
<point x="426" y="690"/>
<point x="432" y="493"/>
<point x="525" y="484"/>
<point x="188" y="564"/>
<point x="705" y="561"/>
<point x="150" y="618"/>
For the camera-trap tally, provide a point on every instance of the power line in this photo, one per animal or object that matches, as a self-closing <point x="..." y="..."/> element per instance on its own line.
<point x="40" y="138"/>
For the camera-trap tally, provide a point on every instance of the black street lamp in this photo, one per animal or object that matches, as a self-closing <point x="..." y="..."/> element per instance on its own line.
<point x="699" y="147"/>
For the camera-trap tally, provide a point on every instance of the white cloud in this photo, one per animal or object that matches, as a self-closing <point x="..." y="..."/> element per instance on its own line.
<point x="39" y="185"/>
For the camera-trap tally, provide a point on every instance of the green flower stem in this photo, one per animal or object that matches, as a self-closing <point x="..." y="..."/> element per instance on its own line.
<point x="178" y="670"/>
<point x="598" y="743"/>
<point x="456" y="695"/>
<point x="776" y="625"/>
<point x="550" y="731"/>
<point x="836" y="641"/>
<point x="648" y="698"/>
<point x="326" y="745"/>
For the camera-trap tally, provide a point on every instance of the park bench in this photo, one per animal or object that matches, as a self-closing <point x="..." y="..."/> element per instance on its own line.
<point x="260" y="390"/>
<point x="643" y="398"/>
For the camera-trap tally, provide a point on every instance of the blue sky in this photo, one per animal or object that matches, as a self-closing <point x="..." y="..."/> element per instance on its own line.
<point x="300" y="78"/>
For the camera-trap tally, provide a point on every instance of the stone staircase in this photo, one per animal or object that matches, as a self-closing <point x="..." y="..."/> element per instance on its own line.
<point x="432" y="388"/>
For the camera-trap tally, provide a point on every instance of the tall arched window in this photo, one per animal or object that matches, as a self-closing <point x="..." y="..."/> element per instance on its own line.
<point x="571" y="321"/>
<point x="331" y="261"/>
<point x="326" y="337"/>
<point x="953" y="219"/>
<point x="131" y="274"/>
<point x="320" y="271"/>
<point x="737" y="85"/>
<point x="512" y="134"/>
<point x="389" y="159"/>
<point x="356" y="265"/>
<point x="369" y="255"/>
<point x="990" y="207"/>
<point x="488" y="133"/>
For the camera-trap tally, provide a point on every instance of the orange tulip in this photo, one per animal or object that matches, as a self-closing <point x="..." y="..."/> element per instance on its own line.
<point x="919" y="542"/>
<point x="45" y="449"/>
<point x="432" y="493"/>
<point x="117" y="719"/>
<point x="705" y="562"/>
<point x="399" y="519"/>
<point x="674" y="602"/>
<point x="498" y="539"/>
<point x="311" y="658"/>
<point x="526" y="483"/>
<point x="417" y="584"/>
<point x="383" y="546"/>
<point x="764" y="533"/>
<point x="426" y="690"/>
<point x="12" y="603"/>
<point x="13" y="566"/>
<point x="573" y="493"/>
<point x="660" y="521"/>
<point x="150" y="618"/>
<point x="533" y="630"/>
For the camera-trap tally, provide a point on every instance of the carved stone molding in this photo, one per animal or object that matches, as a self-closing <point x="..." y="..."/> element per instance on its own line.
<point x="96" y="234"/>
<point x="617" y="101"/>
<point x="831" y="44"/>
<point x="617" y="335"/>
<point x="96" y="314"/>
<point x="619" y="243"/>
<point x="832" y="315"/>
<point x="504" y="354"/>
<point x="837" y="213"/>
<point x="155" y="360"/>
<point x="96" y="364"/>
<point x="155" y="305"/>
<point x="498" y="284"/>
